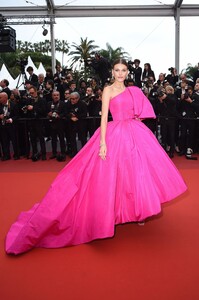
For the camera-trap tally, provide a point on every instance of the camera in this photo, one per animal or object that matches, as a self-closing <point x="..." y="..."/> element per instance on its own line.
<point x="186" y="95"/>
<point x="171" y="69"/>
<point x="160" y="93"/>
<point x="25" y="109"/>
<point x="130" y="62"/>
<point x="22" y="62"/>
<point x="5" y="117"/>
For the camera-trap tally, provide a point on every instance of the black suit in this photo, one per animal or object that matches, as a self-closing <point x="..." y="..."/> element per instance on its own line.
<point x="57" y="125"/>
<point x="34" y="79"/>
<point x="168" y="109"/>
<point x="137" y="74"/>
<point x="7" y="91"/>
<point x="8" y="131"/>
<point x="76" y="127"/>
<point x="35" y="124"/>
<point x="188" y="112"/>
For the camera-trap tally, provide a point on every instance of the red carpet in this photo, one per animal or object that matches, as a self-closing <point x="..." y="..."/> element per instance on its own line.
<point x="158" y="261"/>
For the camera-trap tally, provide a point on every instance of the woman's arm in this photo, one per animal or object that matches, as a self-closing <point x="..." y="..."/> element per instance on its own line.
<point x="104" y="119"/>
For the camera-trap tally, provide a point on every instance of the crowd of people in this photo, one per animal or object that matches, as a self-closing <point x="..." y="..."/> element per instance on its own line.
<point x="56" y="109"/>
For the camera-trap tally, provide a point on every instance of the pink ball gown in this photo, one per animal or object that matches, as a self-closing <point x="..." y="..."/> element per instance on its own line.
<point x="90" y="195"/>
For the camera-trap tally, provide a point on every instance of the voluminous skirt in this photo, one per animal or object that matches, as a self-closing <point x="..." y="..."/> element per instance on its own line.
<point x="90" y="195"/>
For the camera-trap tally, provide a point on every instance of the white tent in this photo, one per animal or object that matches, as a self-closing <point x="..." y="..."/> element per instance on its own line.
<point x="19" y="81"/>
<point x="41" y="69"/>
<point x="4" y="74"/>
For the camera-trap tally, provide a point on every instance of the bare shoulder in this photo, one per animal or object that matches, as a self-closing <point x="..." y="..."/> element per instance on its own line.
<point x="107" y="91"/>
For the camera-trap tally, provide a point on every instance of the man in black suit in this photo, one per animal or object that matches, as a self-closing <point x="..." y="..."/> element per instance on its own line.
<point x="56" y="113"/>
<point x="76" y="112"/>
<point x="167" y="108"/>
<point x="101" y="66"/>
<point x="136" y="70"/>
<point x="188" y="108"/>
<point x="8" y="115"/>
<point x="35" y="110"/>
<point x="4" y="85"/>
<point x="33" y="77"/>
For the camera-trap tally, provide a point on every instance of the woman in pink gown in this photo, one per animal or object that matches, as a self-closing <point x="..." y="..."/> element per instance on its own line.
<point x="121" y="175"/>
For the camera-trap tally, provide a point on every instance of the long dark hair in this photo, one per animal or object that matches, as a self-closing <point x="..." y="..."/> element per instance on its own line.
<point x="120" y="61"/>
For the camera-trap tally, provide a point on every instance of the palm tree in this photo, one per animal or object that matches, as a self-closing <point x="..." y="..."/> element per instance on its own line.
<point x="82" y="53"/>
<point x="190" y="70"/>
<point x="113" y="54"/>
<point x="26" y="47"/>
<point x="63" y="47"/>
<point x="47" y="46"/>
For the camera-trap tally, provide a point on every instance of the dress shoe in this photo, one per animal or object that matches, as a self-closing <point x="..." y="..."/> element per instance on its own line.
<point x="53" y="156"/>
<point x="16" y="157"/>
<point x="4" y="158"/>
<point x="35" y="157"/>
<point x="72" y="154"/>
<point x="61" y="157"/>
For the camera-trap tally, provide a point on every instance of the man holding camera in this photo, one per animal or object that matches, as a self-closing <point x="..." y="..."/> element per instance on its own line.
<point x="56" y="113"/>
<point x="188" y="107"/>
<point x="34" y="110"/>
<point x="167" y="109"/>
<point x="101" y="66"/>
<point x="172" y="78"/>
<point x="76" y="112"/>
<point x="136" y="71"/>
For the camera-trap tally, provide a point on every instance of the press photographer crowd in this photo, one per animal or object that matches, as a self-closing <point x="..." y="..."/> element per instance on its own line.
<point x="56" y="114"/>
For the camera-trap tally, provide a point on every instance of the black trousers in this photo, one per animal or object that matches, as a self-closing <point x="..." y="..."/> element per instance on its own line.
<point x="168" y="133"/>
<point x="57" y="130"/>
<point x="187" y="133"/>
<point x="67" y="135"/>
<point x="77" y="127"/>
<point x="9" y="134"/>
<point x="36" y="129"/>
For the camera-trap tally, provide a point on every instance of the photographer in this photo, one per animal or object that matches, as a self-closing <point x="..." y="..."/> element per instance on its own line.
<point x="34" y="110"/>
<point x="195" y="103"/>
<point x="148" y="72"/>
<point x="76" y="112"/>
<point x="8" y="115"/>
<point x="188" y="112"/>
<point x="56" y="112"/>
<point x="40" y="85"/>
<point x="136" y="71"/>
<point x="172" y="78"/>
<point x="101" y="66"/>
<point x="91" y="102"/>
<point x="32" y="76"/>
<point x="167" y="109"/>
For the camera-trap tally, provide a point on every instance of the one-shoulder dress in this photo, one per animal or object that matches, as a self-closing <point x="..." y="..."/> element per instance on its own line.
<point x="90" y="195"/>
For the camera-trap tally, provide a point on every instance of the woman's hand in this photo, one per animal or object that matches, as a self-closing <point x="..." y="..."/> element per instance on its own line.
<point x="102" y="151"/>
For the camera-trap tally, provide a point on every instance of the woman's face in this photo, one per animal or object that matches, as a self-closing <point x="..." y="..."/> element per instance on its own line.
<point x="120" y="72"/>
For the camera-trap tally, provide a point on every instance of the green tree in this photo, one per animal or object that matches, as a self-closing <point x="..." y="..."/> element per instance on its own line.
<point x="113" y="54"/>
<point x="46" y="47"/>
<point x="63" y="47"/>
<point x="82" y="53"/>
<point x="26" y="46"/>
<point x="190" y="70"/>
